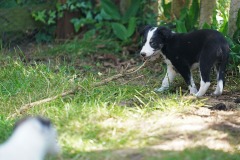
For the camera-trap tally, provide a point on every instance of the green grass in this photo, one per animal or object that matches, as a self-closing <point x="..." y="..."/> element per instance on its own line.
<point x="116" y="121"/>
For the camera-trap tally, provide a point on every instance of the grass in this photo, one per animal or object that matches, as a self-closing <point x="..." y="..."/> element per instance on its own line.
<point x="117" y="121"/>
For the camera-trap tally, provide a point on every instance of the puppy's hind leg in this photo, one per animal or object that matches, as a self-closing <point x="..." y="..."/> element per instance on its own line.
<point x="169" y="77"/>
<point x="204" y="85"/>
<point x="220" y="77"/>
<point x="192" y="87"/>
<point x="205" y="69"/>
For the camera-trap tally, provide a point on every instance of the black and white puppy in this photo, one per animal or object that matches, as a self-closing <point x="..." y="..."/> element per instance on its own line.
<point x="32" y="139"/>
<point x="183" y="52"/>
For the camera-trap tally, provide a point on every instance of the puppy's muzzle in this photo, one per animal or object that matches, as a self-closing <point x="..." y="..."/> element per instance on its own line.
<point x="143" y="54"/>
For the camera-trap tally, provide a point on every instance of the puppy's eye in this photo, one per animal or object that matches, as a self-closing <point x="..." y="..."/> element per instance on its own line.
<point x="152" y="43"/>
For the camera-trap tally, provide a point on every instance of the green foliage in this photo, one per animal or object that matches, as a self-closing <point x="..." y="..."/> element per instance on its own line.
<point x="123" y="26"/>
<point x="192" y="15"/>
<point x="15" y="3"/>
<point x="180" y="26"/>
<point x="48" y="20"/>
<point x="105" y="16"/>
<point x="108" y="17"/>
<point x="132" y="10"/>
<point x="188" y="18"/>
<point x="110" y="9"/>
<point x="166" y="9"/>
<point x="235" y="45"/>
<point x="238" y="20"/>
<point x="85" y="9"/>
<point x="121" y="31"/>
<point x="45" y="17"/>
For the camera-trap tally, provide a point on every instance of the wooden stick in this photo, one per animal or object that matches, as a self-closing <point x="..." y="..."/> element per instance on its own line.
<point x="26" y="107"/>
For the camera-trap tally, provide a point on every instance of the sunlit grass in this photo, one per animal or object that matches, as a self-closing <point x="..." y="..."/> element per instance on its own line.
<point x="97" y="122"/>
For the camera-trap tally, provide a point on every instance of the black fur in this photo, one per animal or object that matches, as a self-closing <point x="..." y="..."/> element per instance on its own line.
<point x="44" y="121"/>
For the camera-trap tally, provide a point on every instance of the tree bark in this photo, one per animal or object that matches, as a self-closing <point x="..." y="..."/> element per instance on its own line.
<point x="234" y="7"/>
<point x="65" y="28"/>
<point x="206" y="11"/>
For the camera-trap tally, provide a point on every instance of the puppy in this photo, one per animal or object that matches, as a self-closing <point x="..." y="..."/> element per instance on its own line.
<point x="32" y="139"/>
<point x="183" y="52"/>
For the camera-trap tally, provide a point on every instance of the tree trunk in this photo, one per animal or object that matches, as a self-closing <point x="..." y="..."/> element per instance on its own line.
<point x="177" y="6"/>
<point x="65" y="28"/>
<point x="234" y="7"/>
<point x="206" y="11"/>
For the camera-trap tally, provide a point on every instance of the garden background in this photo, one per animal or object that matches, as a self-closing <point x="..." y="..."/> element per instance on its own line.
<point x="50" y="47"/>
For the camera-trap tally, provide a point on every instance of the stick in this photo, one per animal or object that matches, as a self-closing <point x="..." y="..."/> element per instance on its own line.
<point x="26" y="107"/>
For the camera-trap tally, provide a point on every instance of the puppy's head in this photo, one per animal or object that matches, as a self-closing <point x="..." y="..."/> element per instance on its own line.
<point x="37" y="131"/>
<point x="153" y="39"/>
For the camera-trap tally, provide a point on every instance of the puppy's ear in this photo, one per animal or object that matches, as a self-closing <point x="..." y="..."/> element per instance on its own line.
<point x="144" y="29"/>
<point x="164" y="32"/>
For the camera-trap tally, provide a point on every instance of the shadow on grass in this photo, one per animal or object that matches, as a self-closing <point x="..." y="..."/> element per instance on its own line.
<point x="196" y="153"/>
<point x="206" y="143"/>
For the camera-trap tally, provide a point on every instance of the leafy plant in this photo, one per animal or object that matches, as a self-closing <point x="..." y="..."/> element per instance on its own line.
<point x="188" y="18"/>
<point x="86" y="9"/>
<point x="48" y="19"/>
<point x="235" y="45"/>
<point x="123" y="26"/>
<point x="108" y="16"/>
<point x="44" y="16"/>
<point x="104" y="19"/>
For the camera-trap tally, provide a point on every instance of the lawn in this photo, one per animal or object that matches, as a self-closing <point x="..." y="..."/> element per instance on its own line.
<point x="123" y="119"/>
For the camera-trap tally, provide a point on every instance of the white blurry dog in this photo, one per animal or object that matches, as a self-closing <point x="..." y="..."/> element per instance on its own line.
<point x="32" y="139"/>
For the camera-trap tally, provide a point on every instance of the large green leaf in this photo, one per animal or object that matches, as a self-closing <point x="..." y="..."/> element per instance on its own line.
<point x="120" y="31"/>
<point x="206" y="26"/>
<point x="193" y="15"/>
<point x="166" y="8"/>
<point x="181" y="28"/>
<point x="132" y="10"/>
<point x="131" y="26"/>
<point x="110" y="9"/>
<point x="238" y="20"/>
<point x="224" y="28"/>
<point x="183" y="14"/>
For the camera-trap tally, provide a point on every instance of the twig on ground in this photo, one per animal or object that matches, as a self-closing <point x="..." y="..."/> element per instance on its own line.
<point x="133" y="79"/>
<point x="26" y="107"/>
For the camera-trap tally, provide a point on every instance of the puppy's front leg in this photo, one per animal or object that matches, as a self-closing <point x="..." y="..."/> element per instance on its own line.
<point x="192" y="87"/>
<point x="169" y="77"/>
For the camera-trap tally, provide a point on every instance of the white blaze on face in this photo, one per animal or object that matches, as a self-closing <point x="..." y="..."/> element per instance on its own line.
<point x="146" y="47"/>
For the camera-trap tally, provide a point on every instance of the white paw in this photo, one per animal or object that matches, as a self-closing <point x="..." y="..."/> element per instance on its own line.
<point x="198" y="94"/>
<point x="193" y="91"/>
<point x="217" y="93"/>
<point x="161" y="89"/>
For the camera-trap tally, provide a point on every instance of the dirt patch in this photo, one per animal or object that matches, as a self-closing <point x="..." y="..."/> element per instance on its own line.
<point x="200" y="129"/>
<point x="228" y="101"/>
